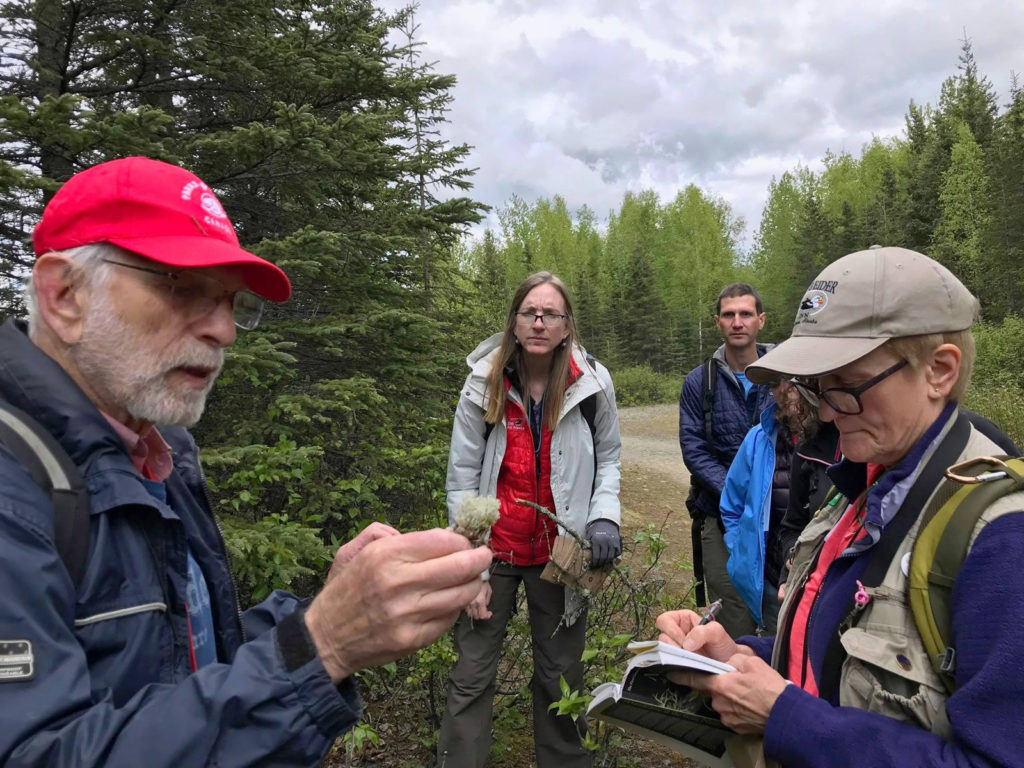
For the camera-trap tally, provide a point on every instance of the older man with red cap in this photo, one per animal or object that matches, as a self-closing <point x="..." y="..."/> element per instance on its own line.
<point x="139" y="654"/>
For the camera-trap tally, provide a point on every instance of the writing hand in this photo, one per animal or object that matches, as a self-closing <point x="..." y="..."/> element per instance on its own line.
<point x="683" y="629"/>
<point x="743" y="698"/>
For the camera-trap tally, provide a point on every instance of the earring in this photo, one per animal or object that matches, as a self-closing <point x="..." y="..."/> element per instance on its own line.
<point x="563" y="343"/>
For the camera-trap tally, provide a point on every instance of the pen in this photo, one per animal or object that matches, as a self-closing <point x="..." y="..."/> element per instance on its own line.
<point x="712" y="611"/>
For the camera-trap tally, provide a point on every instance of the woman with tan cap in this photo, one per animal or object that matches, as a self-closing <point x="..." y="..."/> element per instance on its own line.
<point x="883" y="339"/>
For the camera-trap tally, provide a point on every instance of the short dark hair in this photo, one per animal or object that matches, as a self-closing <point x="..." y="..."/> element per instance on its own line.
<point x="736" y="290"/>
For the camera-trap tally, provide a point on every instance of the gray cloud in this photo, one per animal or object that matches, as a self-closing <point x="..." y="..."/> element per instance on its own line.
<point x="590" y="98"/>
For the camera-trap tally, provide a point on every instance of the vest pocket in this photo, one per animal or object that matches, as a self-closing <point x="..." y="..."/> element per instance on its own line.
<point x="890" y="674"/>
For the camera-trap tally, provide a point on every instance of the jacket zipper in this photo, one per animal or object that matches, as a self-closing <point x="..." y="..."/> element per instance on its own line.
<point x="223" y="546"/>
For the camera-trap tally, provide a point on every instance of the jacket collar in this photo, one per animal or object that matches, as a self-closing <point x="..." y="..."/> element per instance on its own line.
<point x="885" y="498"/>
<point x="719" y="357"/>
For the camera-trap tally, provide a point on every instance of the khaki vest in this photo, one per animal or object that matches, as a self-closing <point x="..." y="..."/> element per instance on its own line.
<point x="887" y="669"/>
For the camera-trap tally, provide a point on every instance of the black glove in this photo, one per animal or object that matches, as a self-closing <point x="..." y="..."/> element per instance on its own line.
<point x="605" y="542"/>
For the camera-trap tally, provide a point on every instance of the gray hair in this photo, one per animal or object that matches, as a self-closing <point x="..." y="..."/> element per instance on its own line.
<point x="89" y="261"/>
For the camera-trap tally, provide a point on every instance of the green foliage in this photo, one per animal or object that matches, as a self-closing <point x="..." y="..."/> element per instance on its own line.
<point x="997" y="385"/>
<point x="644" y="291"/>
<point x="408" y="702"/>
<point x="653" y="541"/>
<point x="272" y="552"/>
<point x="1000" y="350"/>
<point x="572" y="704"/>
<point x="1003" y="404"/>
<point x="639" y="385"/>
<point x="318" y="125"/>
<point x="358" y="739"/>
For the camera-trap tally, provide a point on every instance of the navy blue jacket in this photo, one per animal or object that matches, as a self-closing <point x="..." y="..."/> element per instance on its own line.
<point x="733" y="413"/>
<point x="112" y="681"/>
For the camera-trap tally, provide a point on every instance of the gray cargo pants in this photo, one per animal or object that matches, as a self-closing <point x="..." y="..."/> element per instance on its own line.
<point x="734" y="616"/>
<point x="465" y="737"/>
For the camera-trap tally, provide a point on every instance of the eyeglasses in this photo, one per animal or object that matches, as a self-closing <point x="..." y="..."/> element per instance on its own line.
<point x="195" y="295"/>
<point x="846" y="400"/>
<point x="549" y="319"/>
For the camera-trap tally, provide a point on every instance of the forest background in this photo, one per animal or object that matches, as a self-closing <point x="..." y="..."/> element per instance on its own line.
<point x="318" y="126"/>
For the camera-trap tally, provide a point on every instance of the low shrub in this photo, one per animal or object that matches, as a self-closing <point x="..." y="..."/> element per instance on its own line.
<point x="1003" y="403"/>
<point x="640" y="385"/>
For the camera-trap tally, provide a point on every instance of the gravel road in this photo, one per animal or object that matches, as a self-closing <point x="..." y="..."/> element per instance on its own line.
<point x="655" y="483"/>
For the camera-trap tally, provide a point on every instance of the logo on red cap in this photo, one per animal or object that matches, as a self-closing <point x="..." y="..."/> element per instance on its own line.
<point x="209" y="203"/>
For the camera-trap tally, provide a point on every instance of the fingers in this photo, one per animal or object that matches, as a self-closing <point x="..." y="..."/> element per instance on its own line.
<point x="397" y="594"/>
<point x="745" y="698"/>
<point x="699" y="681"/>
<point x="425" y="545"/>
<point x="377" y="530"/>
<point x="477" y="609"/>
<point x="347" y="551"/>
<point x="711" y="635"/>
<point x="676" y="625"/>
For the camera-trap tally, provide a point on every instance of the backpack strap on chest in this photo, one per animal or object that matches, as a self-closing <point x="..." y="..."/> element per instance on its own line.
<point x="881" y="555"/>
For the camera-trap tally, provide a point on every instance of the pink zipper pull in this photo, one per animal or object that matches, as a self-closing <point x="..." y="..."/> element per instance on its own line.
<point x="861" y="596"/>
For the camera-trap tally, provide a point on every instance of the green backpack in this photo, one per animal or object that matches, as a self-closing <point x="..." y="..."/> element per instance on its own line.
<point x="942" y="544"/>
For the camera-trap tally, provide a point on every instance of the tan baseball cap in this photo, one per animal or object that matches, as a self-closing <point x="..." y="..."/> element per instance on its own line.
<point x="860" y="301"/>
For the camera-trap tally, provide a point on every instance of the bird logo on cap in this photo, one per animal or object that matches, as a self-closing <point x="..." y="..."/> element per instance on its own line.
<point x="813" y="303"/>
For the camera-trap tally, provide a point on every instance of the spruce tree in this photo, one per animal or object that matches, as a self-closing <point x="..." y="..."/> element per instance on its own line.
<point x="322" y="138"/>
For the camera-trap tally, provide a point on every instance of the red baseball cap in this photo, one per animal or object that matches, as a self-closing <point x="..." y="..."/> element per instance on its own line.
<point x="158" y="211"/>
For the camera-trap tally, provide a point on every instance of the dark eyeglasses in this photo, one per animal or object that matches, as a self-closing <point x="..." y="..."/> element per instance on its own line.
<point x="846" y="400"/>
<point x="196" y="295"/>
<point x="549" y="319"/>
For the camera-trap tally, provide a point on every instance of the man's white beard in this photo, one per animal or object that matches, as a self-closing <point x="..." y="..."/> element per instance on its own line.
<point x="125" y="371"/>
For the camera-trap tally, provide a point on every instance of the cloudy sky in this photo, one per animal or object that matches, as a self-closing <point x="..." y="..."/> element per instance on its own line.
<point x="591" y="98"/>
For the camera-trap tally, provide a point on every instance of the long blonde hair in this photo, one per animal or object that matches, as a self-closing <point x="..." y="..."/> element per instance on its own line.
<point x="510" y="353"/>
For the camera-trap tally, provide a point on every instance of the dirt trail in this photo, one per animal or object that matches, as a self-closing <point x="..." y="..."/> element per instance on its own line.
<point x="655" y="483"/>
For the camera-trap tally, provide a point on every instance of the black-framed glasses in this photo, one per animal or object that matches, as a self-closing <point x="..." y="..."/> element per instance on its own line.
<point x="548" y="318"/>
<point x="196" y="295"/>
<point x="846" y="400"/>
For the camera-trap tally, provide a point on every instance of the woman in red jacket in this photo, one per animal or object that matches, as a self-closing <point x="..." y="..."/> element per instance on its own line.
<point x="536" y="420"/>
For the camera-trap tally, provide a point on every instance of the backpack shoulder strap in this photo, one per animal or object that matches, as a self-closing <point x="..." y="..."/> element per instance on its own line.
<point x="941" y="548"/>
<point x="57" y="475"/>
<point x="588" y="409"/>
<point x="710" y="381"/>
<point x="881" y="555"/>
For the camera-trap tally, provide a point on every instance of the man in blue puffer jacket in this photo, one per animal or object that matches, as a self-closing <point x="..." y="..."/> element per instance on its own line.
<point x="736" y="404"/>
<point x="135" y="294"/>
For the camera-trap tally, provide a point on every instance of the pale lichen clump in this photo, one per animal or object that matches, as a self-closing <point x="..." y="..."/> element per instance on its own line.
<point x="474" y="518"/>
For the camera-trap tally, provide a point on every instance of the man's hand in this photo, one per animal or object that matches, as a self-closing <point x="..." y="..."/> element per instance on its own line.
<point x="743" y="698"/>
<point x="683" y="629"/>
<point x="605" y="542"/>
<point x="350" y="549"/>
<point x="395" y="595"/>
<point x="479" y="607"/>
